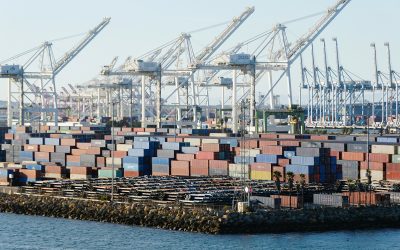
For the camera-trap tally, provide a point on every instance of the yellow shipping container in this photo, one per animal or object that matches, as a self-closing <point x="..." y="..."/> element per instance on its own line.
<point x="260" y="175"/>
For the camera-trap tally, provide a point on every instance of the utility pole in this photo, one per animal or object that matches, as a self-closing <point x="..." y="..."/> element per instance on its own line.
<point x="113" y="152"/>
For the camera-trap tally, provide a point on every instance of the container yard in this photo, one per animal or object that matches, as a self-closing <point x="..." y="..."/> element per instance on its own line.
<point x="152" y="135"/>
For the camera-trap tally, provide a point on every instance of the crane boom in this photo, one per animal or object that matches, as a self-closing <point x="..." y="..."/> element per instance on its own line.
<point x="303" y="42"/>
<point x="219" y="40"/>
<point x="60" y="64"/>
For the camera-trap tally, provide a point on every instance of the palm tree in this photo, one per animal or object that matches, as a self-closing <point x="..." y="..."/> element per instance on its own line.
<point x="302" y="184"/>
<point x="290" y="180"/>
<point x="277" y="176"/>
<point x="351" y="187"/>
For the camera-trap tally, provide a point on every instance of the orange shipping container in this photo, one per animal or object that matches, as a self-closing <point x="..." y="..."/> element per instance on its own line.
<point x="76" y="151"/>
<point x="199" y="163"/>
<point x="68" y="142"/>
<point x="198" y="170"/>
<point x="31" y="148"/>
<point x="203" y="155"/>
<point x="184" y="157"/>
<point x="180" y="168"/>
<point x="80" y="170"/>
<point x="93" y="151"/>
<point x="353" y="156"/>
<point x="47" y="148"/>
<point x="222" y="164"/>
<point x="83" y="145"/>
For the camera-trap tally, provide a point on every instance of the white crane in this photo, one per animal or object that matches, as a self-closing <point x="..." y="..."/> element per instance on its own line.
<point x="49" y="67"/>
<point x="291" y="51"/>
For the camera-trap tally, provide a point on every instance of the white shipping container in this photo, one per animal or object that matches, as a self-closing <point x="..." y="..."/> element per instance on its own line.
<point x="218" y="135"/>
<point x="193" y="141"/>
<point x="124" y="147"/>
<point x="249" y="152"/>
<point x="376" y="175"/>
<point x="79" y="177"/>
<point x="117" y="161"/>
<point x="210" y="141"/>
<point x="238" y="168"/>
<point x="384" y="149"/>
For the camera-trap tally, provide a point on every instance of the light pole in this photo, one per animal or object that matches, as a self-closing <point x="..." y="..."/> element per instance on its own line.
<point x="113" y="152"/>
<point x="368" y="170"/>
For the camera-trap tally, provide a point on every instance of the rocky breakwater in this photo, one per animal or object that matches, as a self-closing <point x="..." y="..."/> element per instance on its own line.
<point x="151" y="215"/>
<point x="318" y="219"/>
<point x="202" y="220"/>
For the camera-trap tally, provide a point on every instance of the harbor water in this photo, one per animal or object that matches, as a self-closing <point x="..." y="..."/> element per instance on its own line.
<point x="33" y="232"/>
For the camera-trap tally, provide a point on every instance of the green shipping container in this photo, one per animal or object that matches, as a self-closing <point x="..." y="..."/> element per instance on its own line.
<point x="107" y="173"/>
<point x="395" y="158"/>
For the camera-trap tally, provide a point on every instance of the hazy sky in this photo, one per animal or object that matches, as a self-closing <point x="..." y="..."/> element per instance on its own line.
<point x="139" y="26"/>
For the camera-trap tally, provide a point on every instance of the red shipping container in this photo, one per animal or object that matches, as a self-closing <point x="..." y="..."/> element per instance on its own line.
<point x="393" y="167"/>
<point x="130" y="173"/>
<point x="203" y="155"/>
<point x="272" y="150"/>
<point x="249" y="143"/>
<point x="286" y="136"/>
<point x="119" y="154"/>
<point x="372" y="166"/>
<point x="283" y="162"/>
<point x="269" y="136"/>
<point x="138" y="129"/>
<point x="219" y="164"/>
<point x="393" y="176"/>
<point x="263" y="143"/>
<point x="353" y="156"/>
<point x="184" y="157"/>
<point x="289" y="143"/>
<point x="374" y="157"/>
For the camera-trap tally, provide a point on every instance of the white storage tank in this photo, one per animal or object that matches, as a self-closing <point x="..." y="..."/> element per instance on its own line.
<point x="240" y="59"/>
<point x="10" y="70"/>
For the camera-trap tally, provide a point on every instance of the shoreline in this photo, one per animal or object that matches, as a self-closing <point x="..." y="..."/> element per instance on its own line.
<point x="204" y="220"/>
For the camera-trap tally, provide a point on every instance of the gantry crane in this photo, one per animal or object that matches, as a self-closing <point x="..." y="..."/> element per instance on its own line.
<point x="22" y="76"/>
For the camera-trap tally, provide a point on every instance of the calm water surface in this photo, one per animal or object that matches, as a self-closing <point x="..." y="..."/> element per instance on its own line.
<point x="31" y="232"/>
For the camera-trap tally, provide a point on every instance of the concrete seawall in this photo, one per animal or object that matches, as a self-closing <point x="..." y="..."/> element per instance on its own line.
<point x="202" y="220"/>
